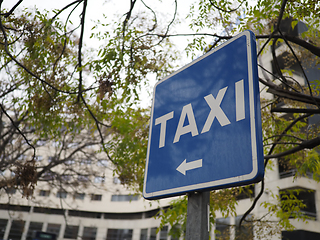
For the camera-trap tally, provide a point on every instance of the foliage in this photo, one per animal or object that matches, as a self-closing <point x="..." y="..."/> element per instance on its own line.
<point x="128" y="145"/>
<point x="292" y="138"/>
<point x="54" y="91"/>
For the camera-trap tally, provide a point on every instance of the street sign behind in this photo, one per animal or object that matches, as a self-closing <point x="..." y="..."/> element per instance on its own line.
<point x="205" y="128"/>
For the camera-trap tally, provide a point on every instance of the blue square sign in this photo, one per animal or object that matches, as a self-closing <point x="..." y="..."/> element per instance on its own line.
<point x="205" y="128"/>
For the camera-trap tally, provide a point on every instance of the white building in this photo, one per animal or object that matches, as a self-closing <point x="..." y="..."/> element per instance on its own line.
<point x="106" y="211"/>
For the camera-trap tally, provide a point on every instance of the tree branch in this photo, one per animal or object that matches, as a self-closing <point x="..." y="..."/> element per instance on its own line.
<point x="12" y="9"/>
<point x="154" y="14"/>
<point x="300" y="65"/>
<point x="24" y="67"/>
<point x="280" y="16"/>
<point x="80" y="50"/>
<point x="266" y="162"/>
<point x="65" y="7"/>
<point x="295" y="110"/>
<point x="308" y="144"/>
<point x="303" y="43"/>
<point x="126" y="20"/>
<point x="224" y="10"/>
<point x="17" y="128"/>
<point x="296" y="96"/>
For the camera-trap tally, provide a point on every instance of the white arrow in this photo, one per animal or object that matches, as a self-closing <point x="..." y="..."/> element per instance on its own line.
<point x="184" y="166"/>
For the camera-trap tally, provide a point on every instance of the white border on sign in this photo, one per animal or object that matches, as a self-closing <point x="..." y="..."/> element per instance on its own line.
<point x="226" y="181"/>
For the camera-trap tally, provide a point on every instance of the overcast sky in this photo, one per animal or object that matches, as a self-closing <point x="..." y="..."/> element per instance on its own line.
<point x="96" y="9"/>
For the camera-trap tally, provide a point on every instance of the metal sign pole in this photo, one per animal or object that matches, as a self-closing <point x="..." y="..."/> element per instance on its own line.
<point x="198" y="216"/>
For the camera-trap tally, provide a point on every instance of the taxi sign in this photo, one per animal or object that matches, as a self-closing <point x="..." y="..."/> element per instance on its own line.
<point x="205" y="128"/>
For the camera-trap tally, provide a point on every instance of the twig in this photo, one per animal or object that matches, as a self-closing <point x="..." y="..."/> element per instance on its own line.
<point x="224" y="10"/>
<point x="80" y="50"/>
<point x="11" y="10"/>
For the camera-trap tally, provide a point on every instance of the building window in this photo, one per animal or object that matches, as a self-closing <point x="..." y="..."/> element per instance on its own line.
<point x="22" y="157"/>
<point x="11" y="190"/>
<point x="102" y="163"/>
<point x="38" y="158"/>
<point x="299" y="235"/>
<point x="153" y="233"/>
<point x="19" y="208"/>
<point x="16" y="229"/>
<point x="48" y="176"/>
<point x="86" y="162"/>
<point x="41" y="142"/>
<point x="89" y="233"/>
<point x="70" y="162"/>
<point x="99" y="180"/>
<point x="302" y="198"/>
<point x="33" y="227"/>
<point x="44" y="193"/>
<point x="72" y="145"/>
<point x="3" y="226"/>
<point x="175" y="232"/>
<point x="90" y="146"/>
<point x="83" y="178"/>
<point x="84" y="214"/>
<point x="79" y="196"/>
<point x="246" y="192"/>
<point x="222" y="228"/>
<point x="119" y="234"/>
<point x="57" y="211"/>
<point x="123" y="215"/>
<point x="56" y="144"/>
<point x="144" y="234"/>
<point x="66" y="177"/>
<point x="62" y="194"/>
<point x="51" y="159"/>
<point x="164" y="233"/>
<point x="246" y="230"/>
<point x="71" y="232"/>
<point x="285" y="168"/>
<point x="53" y="228"/>
<point x="116" y="180"/>
<point x="124" y="198"/>
<point x="152" y="213"/>
<point x="96" y="197"/>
